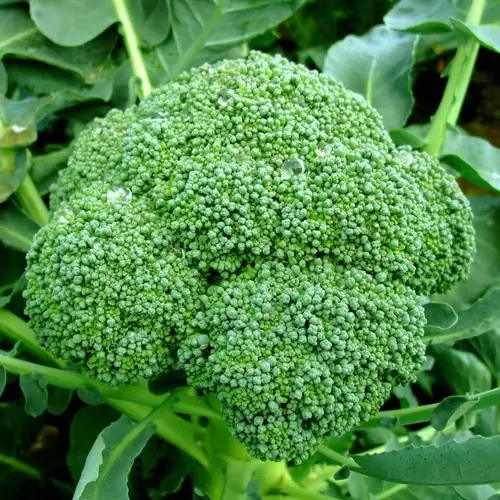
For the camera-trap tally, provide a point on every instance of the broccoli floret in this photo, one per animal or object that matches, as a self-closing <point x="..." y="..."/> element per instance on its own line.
<point x="298" y="352"/>
<point x="107" y="290"/>
<point x="253" y="223"/>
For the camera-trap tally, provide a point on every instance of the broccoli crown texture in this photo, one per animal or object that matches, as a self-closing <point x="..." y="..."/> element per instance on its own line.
<point x="253" y="224"/>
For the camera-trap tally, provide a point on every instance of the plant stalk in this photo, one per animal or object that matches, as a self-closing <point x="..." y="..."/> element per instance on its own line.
<point x="133" y="47"/>
<point x="32" y="202"/>
<point x="16" y="464"/>
<point x="337" y="457"/>
<point x="461" y="70"/>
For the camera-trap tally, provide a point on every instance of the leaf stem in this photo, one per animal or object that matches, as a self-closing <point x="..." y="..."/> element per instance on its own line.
<point x="187" y="58"/>
<point x="388" y="493"/>
<point x="15" y="329"/>
<point x="16" y="464"/>
<point x="133" y="49"/>
<point x="421" y="414"/>
<point x="337" y="457"/>
<point x="461" y="70"/>
<point x="32" y="202"/>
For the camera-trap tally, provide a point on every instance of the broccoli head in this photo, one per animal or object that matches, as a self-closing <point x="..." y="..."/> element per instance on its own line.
<point x="252" y="223"/>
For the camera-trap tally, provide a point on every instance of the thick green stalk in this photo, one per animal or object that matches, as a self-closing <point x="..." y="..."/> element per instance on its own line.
<point x="32" y="202"/>
<point x="461" y="70"/>
<point x="133" y="46"/>
<point x="15" y="329"/>
<point x="390" y="492"/>
<point x="16" y="464"/>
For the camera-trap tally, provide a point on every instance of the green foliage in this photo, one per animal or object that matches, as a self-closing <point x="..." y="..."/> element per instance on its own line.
<point x="234" y="181"/>
<point x="382" y="73"/>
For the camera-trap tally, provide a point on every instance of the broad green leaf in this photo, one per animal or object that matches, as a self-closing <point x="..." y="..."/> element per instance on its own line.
<point x="472" y="157"/>
<point x="90" y="395"/>
<point x="382" y="73"/>
<point x="59" y="400"/>
<point x="41" y="78"/>
<point x="485" y="270"/>
<point x="421" y="16"/>
<point x="488" y="348"/>
<point x="440" y="315"/>
<point x="45" y="168"/>
<point x="86" y="425"/>
<point x="72" y="23"/>
<point x="474" y="461"/>
<point x="403" y="137"/>
<point x="14" y="164"/>
<point x="463" y="370"/>
<point x="450" y="410"/>
<point x="19" y="37"/>
<point x="35" y="393"/>
<point x="3" y="80"/>
<point x="204" y="30"/>
<point x="3" y="379"/>
<point x="151" y="20"/>
<point x="16" y="230"/>
<point x="480" y="317"/>
<point x="17" y="287"/>
<point x="108" y="464"/>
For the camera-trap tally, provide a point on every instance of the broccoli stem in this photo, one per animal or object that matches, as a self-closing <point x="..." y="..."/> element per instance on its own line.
<point x="132" y="43"/>
<point x="461" y="70"/>
<point x="16" y="464"/>
<point x="32" y="202"/>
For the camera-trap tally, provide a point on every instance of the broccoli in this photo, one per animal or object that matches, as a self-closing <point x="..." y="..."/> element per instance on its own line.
<point x="251" y="223"/>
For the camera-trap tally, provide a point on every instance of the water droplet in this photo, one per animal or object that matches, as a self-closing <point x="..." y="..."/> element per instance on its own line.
<point x="325" y="152"/>
<point x="119" y="195"/>
<point x="406" y="158"/>
<point x="222" y="102"/>
<point x="65" y="215"/>
<point x="17" y="129"/>
<point x="225" y="97"/>
<point x="292" y="167"/>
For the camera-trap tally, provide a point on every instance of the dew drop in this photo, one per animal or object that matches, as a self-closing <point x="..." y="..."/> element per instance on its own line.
<point x="119" y="195"/>
<point x="292" y="167"/>
<point x="65" y="216"/>
<point x="406" y="158"/>
<point x="17" y="129"/>
<point x="325" y="152"/>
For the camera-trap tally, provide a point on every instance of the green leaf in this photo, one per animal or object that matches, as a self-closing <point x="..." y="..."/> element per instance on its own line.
<point x="34" y="388"/>
<point x="14" y="164"/>
<point x="72" y="23"/>
<point x="382" y="73"/>
<point x="474" y="158"/>
<point x="204" y="30"/>
<point x="440" y="315"/>
<point x="3" y="379"/>
<point x="487" y="32"/>
<point x="86" y="425"/>
<point x="19" y="37"/>
<point x="3" y="80"/>
<point x="151" y="20"/>
<point x="18" y="287"/>
<point x="45" y="168"/>
<point x="463" y="370"/>
<point x="108" y="464"/>
<point x="488" y="347"/>
<point x="479" y="318"/>
<point x="16" y="230"/>
<point x="450" y="410"/>
<point x="421" y="16"/>
<point x="474" y="461"/>
<point x="90" y="395"/>
<point x="59" y="400"/>
<point x="403" y="137"/>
